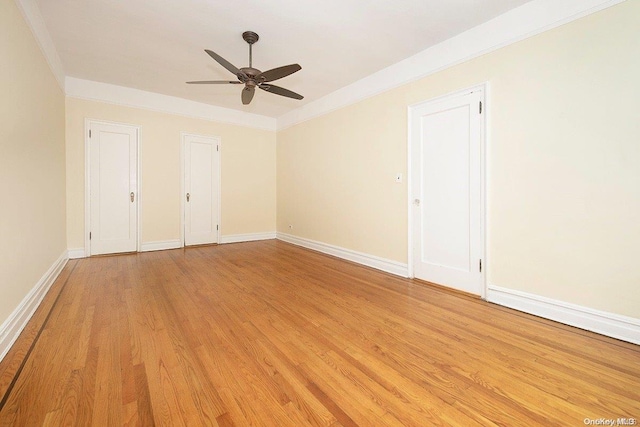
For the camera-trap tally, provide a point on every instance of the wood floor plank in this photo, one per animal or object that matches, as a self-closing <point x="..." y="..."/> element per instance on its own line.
<point x="270" y="334"/>
<point x="143" y="402"/>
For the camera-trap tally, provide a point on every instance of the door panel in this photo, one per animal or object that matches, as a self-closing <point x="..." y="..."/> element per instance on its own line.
<point x="113" y="178"/>
<point x="447" y="210"/>
<point x="445" y="163"/>
<point x="201" y="185"/>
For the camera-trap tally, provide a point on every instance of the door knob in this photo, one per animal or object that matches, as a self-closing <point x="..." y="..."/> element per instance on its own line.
<point x="188" y="196"/>
<point x="132" y="196"/>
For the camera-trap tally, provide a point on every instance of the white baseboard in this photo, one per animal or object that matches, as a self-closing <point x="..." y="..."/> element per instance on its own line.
<point x="76" y="253"/>
<point x="249" y="237"/>
<point x="161" y="245"/>
<point x="389" y="266"/>
<point x="609" y="324"/>
<point x="15" y="323"/>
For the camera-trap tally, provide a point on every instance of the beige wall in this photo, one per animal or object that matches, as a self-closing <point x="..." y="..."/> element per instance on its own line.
<point x="32" y="177"/>
<point x="563" y="160"/>
<point x="247" y="159"/>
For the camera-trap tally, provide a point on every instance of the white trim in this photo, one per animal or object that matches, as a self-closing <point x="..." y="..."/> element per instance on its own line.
<point x="609" y="324"/>
<point x="483" y="189"/>
<point x="483" y="89"/>
<point x="410" y="271"/>
<point x="139" y="194"/>
<point x="87" y="182"/>
<point x="219" y="190"/>
<point x="218" y="142"/>
<point x="486" y="167"/>
<point x="518" y="24"/>
<point x="75" y="253"/>
<point x="15" y="323"/>
<point x="387" y="265"/>
<point x="33" y="17"/>
<point x="87" y="189"/>
<point x="160" y="245"/>
<point x="182" y="190"/>
<point x="248" y="237"/>
<point x="135" y="98"/>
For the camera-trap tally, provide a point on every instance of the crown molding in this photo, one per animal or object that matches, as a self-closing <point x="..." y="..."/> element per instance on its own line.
<point x="518" y="24"/>
<point x="120" y="95"/>
<point x="32" y="16"/>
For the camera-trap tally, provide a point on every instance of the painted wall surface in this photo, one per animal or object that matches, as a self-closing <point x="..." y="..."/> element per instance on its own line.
<point x="563" y="164"/>
<point x="32" y="176"/>
<point x="247" y="165"/>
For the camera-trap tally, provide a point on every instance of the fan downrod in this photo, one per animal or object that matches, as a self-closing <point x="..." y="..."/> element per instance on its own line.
<point x="250" y="37"/>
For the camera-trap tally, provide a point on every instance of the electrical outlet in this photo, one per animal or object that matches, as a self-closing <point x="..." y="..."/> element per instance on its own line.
<point x="398" y="177"/>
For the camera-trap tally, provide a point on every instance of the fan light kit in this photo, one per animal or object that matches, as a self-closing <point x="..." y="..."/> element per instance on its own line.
<point x="252" y="77"/>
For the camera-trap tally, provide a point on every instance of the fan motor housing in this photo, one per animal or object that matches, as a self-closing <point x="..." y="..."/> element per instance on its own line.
<point x="250" y="37"/>
<point x="251" y="72"/>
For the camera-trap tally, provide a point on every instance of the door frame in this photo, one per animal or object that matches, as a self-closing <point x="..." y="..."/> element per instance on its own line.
<point x="87" y="181"/>
<point x="484" y="137"/>
<point x="183" y="142"/>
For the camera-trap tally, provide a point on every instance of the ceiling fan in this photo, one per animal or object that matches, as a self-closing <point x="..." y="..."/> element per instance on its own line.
<point x="252" y="77"/>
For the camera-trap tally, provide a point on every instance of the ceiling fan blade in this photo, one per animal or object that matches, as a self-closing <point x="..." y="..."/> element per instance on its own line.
<point x="247" y="94"/>
<point x="214" y="82"/>
<point x="278" y="73"/>
<point x="226" y="64"/>
<point x="281" y="91"/>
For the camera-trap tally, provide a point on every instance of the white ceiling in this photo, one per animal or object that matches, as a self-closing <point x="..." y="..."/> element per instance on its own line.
<point x="158" y="45"/>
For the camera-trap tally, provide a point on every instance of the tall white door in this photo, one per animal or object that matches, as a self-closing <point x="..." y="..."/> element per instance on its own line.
<point x="113" y="179"/>
<point x="201" y="176"/>
<point x="446" y="156"/>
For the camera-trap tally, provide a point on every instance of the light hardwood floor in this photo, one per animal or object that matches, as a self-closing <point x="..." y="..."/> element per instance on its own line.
<point x="266" y="333"/>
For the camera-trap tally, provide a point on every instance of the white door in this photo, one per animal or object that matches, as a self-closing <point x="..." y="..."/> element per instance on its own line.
<point x="113" y="178"/>
<point x="201" y="184"/>
<point x="446" y="159"/>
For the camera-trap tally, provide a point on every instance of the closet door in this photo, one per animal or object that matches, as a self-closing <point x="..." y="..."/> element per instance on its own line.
<point x="447" y="191"/>
<point x="201" y="168"/>
<point x="113" y="186"/>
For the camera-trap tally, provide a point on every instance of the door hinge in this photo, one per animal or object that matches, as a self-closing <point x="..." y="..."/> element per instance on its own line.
<point x="89" y="133"/>
<point x="480" y="266"/>
<point x="217" y="227"/>
<point x="480" y="107"/>
<point x="89" y="235"/>
<point x="217" y="148"/>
